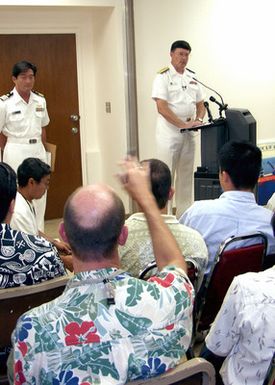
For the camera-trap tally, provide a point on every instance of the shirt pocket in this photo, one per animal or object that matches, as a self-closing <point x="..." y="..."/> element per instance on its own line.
<point x="15" y="116"/>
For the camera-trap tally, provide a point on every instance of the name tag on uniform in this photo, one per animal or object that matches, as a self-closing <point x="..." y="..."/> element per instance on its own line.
<point x="16" y="112"/>
<point x="39" y="109"/>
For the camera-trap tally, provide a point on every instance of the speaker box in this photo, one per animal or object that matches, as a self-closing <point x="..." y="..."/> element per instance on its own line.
<point x="241" y="125"/>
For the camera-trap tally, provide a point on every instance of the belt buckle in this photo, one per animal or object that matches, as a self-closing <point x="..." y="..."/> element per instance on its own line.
<point x="32" y="141"/>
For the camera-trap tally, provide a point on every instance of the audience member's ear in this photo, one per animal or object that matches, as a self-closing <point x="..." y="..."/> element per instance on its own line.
<point x="171" y="193"/>
<point x="123" y="236"/>
<point x="62" y="232"/>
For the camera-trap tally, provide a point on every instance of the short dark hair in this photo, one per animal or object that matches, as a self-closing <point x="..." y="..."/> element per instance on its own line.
<point x="23" y="66"/>
<point x="98" y="240"/>
<point x="242" y="161"/>
<point x="32" y="168"/>
<point x="180" y="44"/>
<point x="7" y="189"/>
<point x="161" y="181"/>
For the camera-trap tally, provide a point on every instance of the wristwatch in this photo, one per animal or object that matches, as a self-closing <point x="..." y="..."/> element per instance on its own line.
<point x="200" y="119"/>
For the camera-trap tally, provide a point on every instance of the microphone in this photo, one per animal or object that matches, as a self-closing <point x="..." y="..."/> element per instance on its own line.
<point x="210" y="117"/>
<point x="204" y="85"/>
<point x="222" y="106"/>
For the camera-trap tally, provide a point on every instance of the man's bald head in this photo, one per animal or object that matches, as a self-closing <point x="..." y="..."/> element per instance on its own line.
<point x="93" y="219"/>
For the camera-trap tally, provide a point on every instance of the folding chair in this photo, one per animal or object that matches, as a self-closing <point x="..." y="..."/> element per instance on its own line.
<point x="236" y="255"/>
<point x="270" y="375"/>
<point x="16" y="301"/>
<point x="196" y="371"/>
<point x="152" y="269"/>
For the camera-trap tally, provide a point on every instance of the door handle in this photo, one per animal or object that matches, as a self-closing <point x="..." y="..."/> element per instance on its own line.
<point x="74" y="117"/>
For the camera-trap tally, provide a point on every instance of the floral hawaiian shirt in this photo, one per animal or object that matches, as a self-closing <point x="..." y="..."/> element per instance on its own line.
<point x="244" y="331"/>
<point x="106" y="328"/>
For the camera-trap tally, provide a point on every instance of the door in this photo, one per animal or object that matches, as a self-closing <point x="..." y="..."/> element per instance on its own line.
<point x="56" y="78"/>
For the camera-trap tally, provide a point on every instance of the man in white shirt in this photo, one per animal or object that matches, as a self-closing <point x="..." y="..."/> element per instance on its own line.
<point x="235" y="212"/>
<point x="23" y="121"/>
<point x="33" y="177"/>
<point x="179" y="101"/>
<point x="243" y="331"/>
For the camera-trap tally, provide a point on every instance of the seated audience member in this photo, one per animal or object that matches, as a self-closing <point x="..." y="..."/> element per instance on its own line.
<point x="33" y="177"/>
<point x="235" y="212"/>
<point x="137" y="252"/>
<point x="108" y="327"/>
<point x="242" y="337"/>
<point x="24" y="259"/>
<point x="271" y="203"/>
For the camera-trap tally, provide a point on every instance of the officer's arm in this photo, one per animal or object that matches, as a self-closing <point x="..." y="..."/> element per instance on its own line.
<point x="170" y="116"/>
<point x="200" y="110"/>
<point x="3" y="140"/>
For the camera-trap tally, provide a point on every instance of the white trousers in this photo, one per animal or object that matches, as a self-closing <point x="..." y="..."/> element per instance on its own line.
<point x="177" y="150"/>
<point x="14" y="154"/>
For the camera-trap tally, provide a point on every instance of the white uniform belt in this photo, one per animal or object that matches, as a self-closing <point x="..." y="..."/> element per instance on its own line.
<point x="24" y="140"/>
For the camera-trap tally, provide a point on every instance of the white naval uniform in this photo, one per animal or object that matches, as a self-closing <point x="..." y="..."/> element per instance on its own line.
<point x="174" y="148"/>
<point x="22" y="124"/>
<point x="24" y="217"/>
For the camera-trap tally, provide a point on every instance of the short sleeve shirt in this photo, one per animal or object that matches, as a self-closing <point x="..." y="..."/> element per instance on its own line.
<point x="244" y="331"/>
<point x="181" y="91"/>
<point x="23" y="120"/>
<point x="83" y="338"/>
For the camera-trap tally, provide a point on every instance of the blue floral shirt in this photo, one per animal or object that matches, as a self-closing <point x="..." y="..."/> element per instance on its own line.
<point x="106" y="328"/>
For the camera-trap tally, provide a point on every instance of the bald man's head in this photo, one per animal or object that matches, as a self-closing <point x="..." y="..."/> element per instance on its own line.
<point x="93" y="219"/>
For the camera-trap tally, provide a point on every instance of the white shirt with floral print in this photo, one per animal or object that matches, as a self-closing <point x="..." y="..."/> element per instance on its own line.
<point x="83" y="338"/>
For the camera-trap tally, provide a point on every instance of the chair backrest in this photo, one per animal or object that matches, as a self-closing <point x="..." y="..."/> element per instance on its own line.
<point x="229" y="262"/>
<point x="16" y="301"/>
<point x="196" y="371"/>
<point x="270" y="375"/>
<point x="152" y="269"/>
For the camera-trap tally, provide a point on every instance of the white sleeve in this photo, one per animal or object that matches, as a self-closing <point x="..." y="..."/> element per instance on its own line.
<point x="45" y="119"/>
<point x="2" y="115"/>
<point x="225" y="330"/>
<point x="23" y="223"/>
<point x="160" y="89"/>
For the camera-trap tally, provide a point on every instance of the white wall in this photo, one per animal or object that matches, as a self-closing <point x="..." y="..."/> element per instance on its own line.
<point x="232" y="51"/>
<point x="100" y="66"/>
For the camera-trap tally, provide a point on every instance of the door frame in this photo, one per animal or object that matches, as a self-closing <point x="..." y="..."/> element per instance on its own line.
<point x="79" y="59"/>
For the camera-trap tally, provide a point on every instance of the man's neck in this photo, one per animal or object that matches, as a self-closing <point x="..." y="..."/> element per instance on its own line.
<point x="24" y="95"/>
<point x="179" y="70"/>
<point x="81" y="266"/>
<point x="25" y="194"/>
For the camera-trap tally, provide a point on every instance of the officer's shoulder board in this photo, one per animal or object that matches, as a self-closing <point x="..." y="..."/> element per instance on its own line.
<point x="6" y="96"/>
<point x="38" y="93"/>
<point x="163" y="70"/>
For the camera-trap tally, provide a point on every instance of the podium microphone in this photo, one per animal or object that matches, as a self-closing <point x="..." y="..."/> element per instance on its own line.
<point x="210" y="117"/>
<point x="222" y="106"/>
<point x="204" y="85"/>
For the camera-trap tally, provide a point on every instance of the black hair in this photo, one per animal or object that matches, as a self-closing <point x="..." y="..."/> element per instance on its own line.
<point x="180" y="44"/>
<point x="7" y="189"/>
<point x="242" y="161"/>
<point x="23" y="66"/>
<point x="98" y="240"/>
<point x="161" y="181"/>
<point x="32" y="168"/>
